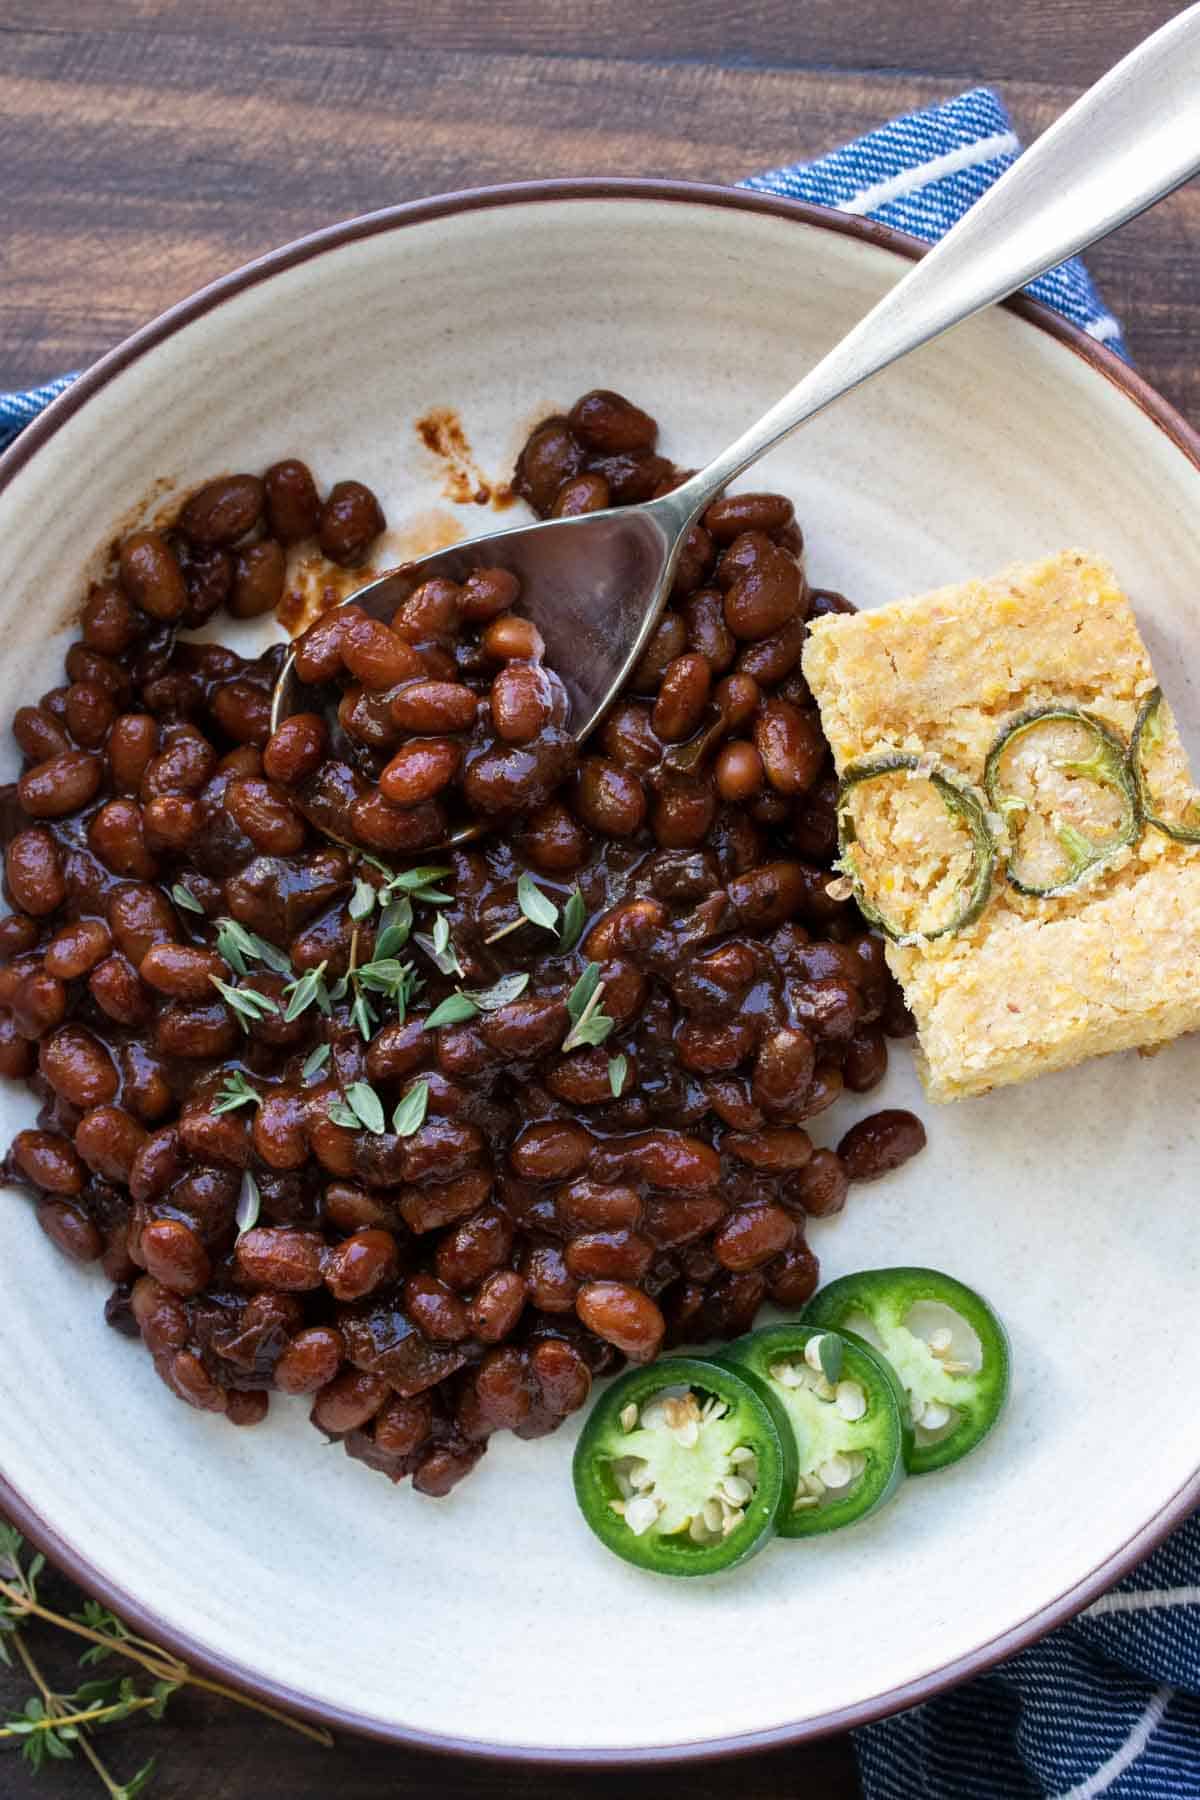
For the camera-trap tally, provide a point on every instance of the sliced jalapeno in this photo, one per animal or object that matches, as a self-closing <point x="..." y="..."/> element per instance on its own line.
<point x="1061" y="780"/>
<point x="685" y="1467"/>
<point x="1155" y="736"/>
<point x="945" y="1344"/>
<point x="931" y="872"/>
<point x="848" y="1414"/>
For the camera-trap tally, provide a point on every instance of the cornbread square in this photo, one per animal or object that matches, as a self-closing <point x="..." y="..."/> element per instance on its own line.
<point x="1036" y="982"/>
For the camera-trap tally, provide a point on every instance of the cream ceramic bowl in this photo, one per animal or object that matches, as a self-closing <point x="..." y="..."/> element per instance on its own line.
<point x="493" y="1622"/>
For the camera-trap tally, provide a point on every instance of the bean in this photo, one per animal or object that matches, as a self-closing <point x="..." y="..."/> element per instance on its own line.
<point x="629" y="739"/>
<point x="583" y="1079"/>
<point x="90" y="712"/>
<point x="190" y="1381"/>
<point x="473" y="1249"/>
<point x="263" y="811"/>
<point x="48" y="1161"/>
<point x="38" y="1004"/>
<point x="553" y="1151"/>
<point x="420" y="769"/>
<point x="402" y="1426"/>
<point x="318" y="651"/>
<point x="310" y="1362"/>
<point x="34" y="871"/>
<point x="624" y="1316"/>
<point x="668" y="640"/>
<point x="825" y="1089"/>
<point x="151" y="576"/>
<point x="246" y="1406"/>
<point x="552" y="456"/>
<point x="634" y="475"/>
<point x="791" y="746"/>
<point x="357" y="1267"/>
<point x="84" y="665"/>
<point x="19" y="933"/>
<point x="181" y="970"/>
<point x="504" y="1388"/>
<point x="280" y="1130"/>
<point x="822" y="1185"/>
<point x="292" y="502"/>
<point x="60" y="786"/>
<point x="243" y="712"/>
<point x="140" y="917"/>
<point x="731" y="515"/>
<point x="224" y="510"/>
<point x="132" y="743"/>
<point x="865" y="1062"/>
<point x="607" y="422"/>
<point x="792" y="1278"/>
<point x="522" y="702"/>
<point x="195" y="1030"/>
<point x="434" y="706"/>
<point x="708" y="633"/>
<point x="553" y="840"/>
<point x="17" y="1055"/>
<point x="662" y="1159"/>
<point x="709" y="1047"/>
<point x="684" y="809"/>
<point x="829" y="1010"/>
<point x="441" y="1470"/>
<point x="586" y="493"/>
<point x="109" y="1140"/>
<point x="258" y="576"/>
<point x="609" y="1256"/>
<point x="498" y="1304"/>
<point x="550" y="1285"/>
<point x="752" y="1235"/>
<point x="38" y="733"/>
<point x="695" y="562"/>
<point x="117" y="835"/>
<point x="430" y="1207"/>
<point x="78" y="1067"/>
<point x="767" y="594"/>
<point x="510" y="637"/>
<point x="374" y="821"/>
<point x="431" y="611"/>
<point x="773" y="1152"/>
<point x="436" y="1309"/>
<point x="175" y="1256"/>
<point x="783" y="1071"/>
<point x="880" y="1143"/>
<point x="487" y="592"/>
<point x="278" y="1258"/>
<point x="296" y="750"/>
<point x="668" y="1223"/>
<point x="739" y="772"/>
<point x="772" y="659"/>
<point x="70" y="1230"/>
<point x="348" y="1401"/>
<point x="372" y="651"/>
<point x="109" y="623"/>
<point x="609" y="799"/>
<point x="682" y="698"/>
<point x="350" y="520"/>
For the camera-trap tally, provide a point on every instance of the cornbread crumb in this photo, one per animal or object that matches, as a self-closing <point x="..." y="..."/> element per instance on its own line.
<point x="1036" y="983"/>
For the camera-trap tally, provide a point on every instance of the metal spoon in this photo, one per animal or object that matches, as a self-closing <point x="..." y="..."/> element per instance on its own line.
<point x="595" y="585"/>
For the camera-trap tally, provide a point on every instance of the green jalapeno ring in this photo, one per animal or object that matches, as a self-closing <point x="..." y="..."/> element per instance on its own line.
<point x="1146" y="726"/>
<point x="1109" y="766"/>
<point x="852" y="1421"/>
<point x="685" y="1474"/>
<point x="961" y="801"/>
<point x="975" y="1398"/>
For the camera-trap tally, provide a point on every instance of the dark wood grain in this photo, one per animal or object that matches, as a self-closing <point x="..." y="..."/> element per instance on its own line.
<point x="147" y="146"/>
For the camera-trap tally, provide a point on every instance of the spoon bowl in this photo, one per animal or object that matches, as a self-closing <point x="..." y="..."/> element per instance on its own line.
<point x="594" y="585"/>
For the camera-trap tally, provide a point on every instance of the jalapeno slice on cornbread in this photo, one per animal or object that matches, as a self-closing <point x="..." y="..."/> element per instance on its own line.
<point x="1061" y="780"/>
<point x="1168" y="800"/>
<point x="916" y="846"/>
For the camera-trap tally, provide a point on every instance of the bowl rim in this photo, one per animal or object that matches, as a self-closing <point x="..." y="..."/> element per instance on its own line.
<point x="74" y="1561"/>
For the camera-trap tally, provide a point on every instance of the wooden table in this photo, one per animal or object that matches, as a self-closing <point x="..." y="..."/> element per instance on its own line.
<point x="149" y="145"/>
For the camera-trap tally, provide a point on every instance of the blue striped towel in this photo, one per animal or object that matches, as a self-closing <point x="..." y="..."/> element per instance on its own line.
<point x="1109" y="1704"/>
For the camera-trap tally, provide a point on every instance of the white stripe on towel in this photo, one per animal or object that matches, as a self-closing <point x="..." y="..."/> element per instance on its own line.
<point x="966" y="156"/>
<point x="1127" y="1755"/>
<point x="1144" y="1600"/>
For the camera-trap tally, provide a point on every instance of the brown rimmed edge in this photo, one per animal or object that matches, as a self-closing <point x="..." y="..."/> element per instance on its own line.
<point x="72" y="1561"/>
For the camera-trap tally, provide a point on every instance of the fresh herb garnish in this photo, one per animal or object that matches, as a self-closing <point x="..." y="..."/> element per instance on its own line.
<point x="183" y="897"/>
<point x="249" y="1005"/>
<point x="367" y="1107"/>
<point x="236" y="1091"/>
<point x="439" y="947"/>
<point x="503" y="993"/>
<point x="618" y="1068"/>
<point x="417" y="883"/>
<point x="409" y="1115"/>
<point x="395" y="924"/>
<point x="249" y="1204"/>
<point x="453" y="1010"/>
<point x="536" y="907"/>
<point x="316" y="1059"/>
<point x="574" y="918"/>
<point x="590" y="1023"/>
<point x="235" y="944"/>
<point x="308" y="988"/>
<point x="362" y="901"/>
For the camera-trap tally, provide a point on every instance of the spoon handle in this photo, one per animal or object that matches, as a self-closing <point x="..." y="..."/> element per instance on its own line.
<point x="1129" y="140"/>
